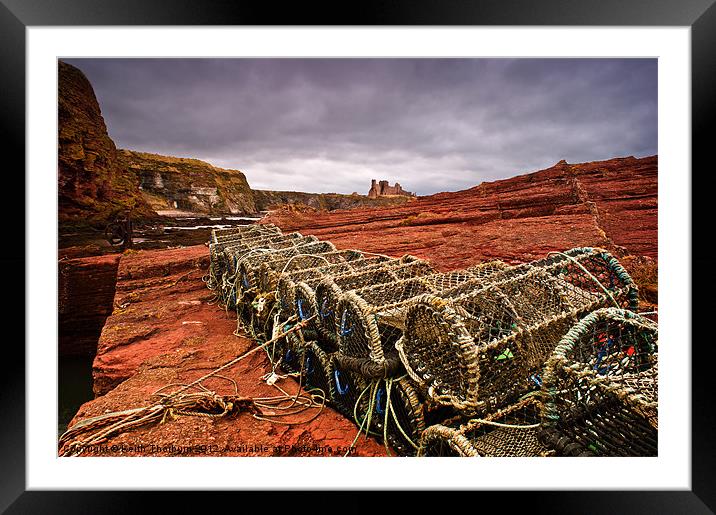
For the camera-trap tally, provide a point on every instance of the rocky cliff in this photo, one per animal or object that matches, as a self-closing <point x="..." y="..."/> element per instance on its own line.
<point x="92" y="184"/>
<point x="169" y="183"/>
<point x="267" y="199"/>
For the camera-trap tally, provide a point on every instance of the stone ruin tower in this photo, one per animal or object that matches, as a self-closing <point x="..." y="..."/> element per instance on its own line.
<point x="383" y="188"/>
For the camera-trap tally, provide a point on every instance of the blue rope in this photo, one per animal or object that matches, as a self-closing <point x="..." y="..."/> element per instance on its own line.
<point x="341" y="390"/>
<point x="299" y="302"/>
<point x="344" y="331"/>
<point x="381" y="393"/>
<point x="309" y="364"/>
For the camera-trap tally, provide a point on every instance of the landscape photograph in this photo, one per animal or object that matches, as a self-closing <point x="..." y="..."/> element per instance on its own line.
<point x="375" y="257"/>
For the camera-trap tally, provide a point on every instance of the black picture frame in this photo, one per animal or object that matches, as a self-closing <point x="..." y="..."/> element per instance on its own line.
<point x="17" y="15"/>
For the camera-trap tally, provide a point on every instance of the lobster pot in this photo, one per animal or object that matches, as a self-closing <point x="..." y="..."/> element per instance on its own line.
<point x="371" y="320"/>
<point x="481" y="349"/>
<point x="347" y="389"/>
<point x="234" y="253"/>
<point x="224" y="255"/>
<point x="329" y="290"/>
<point x="318" y="368"/>
<point x="269" y="272"/>
<point x="242" y="231"/>
<point x="289" y="352"/>
<point x="260" y="315"/>
<point x="286" y="283"/>
<point x="600" y="387"/>
<point x="403" y="414"/>
<point x="247" y="271"/>
<point x="262" y="302"/>
<point x="511" y="432"/>
<point x="476" y="274"/>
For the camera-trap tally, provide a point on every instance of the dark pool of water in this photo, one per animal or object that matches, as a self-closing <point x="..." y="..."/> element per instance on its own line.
<point x="74" y="388"/>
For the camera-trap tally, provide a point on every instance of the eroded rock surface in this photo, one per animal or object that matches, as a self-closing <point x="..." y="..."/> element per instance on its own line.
<point x="192" y="185"/>
<point x="166" y="330"/>
<point x="610" y="204"/>
<point x="92" y="184"/>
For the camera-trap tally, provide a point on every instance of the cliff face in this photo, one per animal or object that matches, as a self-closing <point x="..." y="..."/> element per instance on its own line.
<point x="92" y="184"/>
<point x="611" y="204"/>
<point x="189" y="184"/>
<point x="267" y="199"/>
<point x="85" y="300"/>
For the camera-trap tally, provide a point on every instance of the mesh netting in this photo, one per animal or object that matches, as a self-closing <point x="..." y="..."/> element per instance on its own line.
<point x="289" y="352"/>
<point x="600" y="387"/>
<point x="372" y="319"/>
<point x="269" y="272"/>
<point x="248" y="266"/>
<point x="234" y="253"/>
<point x="242" y="231"/>
<point x="224" y="257"/>
<point x="329" y="290"/>
<point x="286" y="282"/>
<point x="481" y="348"/>
<point x="318" y="368"/>
<point x="346" y="389"/>
<point x="511" y="432"/>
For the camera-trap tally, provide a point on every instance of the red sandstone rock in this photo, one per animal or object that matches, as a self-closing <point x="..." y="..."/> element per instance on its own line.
<point x="165" y="329"/>
<point x="92" y="184"/>
<point x="85" y="296"/>
<point x="611" y="204"/>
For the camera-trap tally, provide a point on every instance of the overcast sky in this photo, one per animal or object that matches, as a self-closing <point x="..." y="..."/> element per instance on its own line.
<point x="331" y="125"/>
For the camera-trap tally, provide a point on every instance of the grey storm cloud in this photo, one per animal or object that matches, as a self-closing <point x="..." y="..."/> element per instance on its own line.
<point x="331" y="125"/>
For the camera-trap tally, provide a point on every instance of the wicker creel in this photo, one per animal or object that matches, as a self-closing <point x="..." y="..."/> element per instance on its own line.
<point x="600" y="387"/>
<point x="371" y="320"/>
<point x="510" y="432"/>
<point x="480" y="348"/>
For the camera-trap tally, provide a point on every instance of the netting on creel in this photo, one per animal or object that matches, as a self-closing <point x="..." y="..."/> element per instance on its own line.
<point x="286" y="282"/>
<point x="397" y="414"/>
<point x="288" y="353"/>
<point x="263" y="296"/>
<point x="246" y="279"/>
<point x="218" y="235"/>
<point x="269" y="272"/>
<point x="306" y="298"/>
<point x="225" y="255"/>
<point x="347" y="389"/>
<point x="318" y="368"/>
<point x="480" y="348"/>
<point x="327" y="292"/>
<point x="600" y="387"/>
<point x="234" y="253"/>
<point x="510" y="432"/>
<point x="371" y="320"/>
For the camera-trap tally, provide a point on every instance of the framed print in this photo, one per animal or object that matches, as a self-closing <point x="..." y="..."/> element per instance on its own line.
<point x="288" y="252"/>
